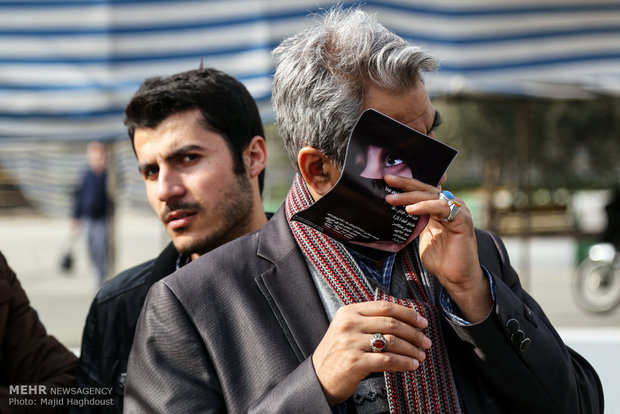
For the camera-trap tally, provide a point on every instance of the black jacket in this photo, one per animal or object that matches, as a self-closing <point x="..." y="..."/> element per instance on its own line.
<point x="110" y="326"/>
<point x="91" y="197"/>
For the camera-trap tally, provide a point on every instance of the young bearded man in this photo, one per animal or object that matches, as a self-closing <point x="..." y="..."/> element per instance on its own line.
<point x="288" y="320"/>
<point x="198" y="139"/>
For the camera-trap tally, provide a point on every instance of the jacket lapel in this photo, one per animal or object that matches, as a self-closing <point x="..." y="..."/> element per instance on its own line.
<point x="289" y="289"/>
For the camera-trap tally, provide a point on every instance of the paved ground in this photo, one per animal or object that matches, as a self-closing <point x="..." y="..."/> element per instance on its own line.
<point x="33" y="246"/>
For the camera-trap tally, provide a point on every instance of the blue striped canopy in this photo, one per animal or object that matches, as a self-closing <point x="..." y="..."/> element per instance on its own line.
<point x="67" y="68"/>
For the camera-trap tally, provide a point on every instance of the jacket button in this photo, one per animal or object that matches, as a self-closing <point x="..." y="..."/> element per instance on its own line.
<point x="525" y="344"/>
<point x="517" y="337"/>
<point x="121" y="380"/>
<point x="512" y="326"/>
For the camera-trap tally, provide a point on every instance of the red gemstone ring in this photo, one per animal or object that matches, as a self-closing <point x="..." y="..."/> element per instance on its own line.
<point x="378" y="343"/>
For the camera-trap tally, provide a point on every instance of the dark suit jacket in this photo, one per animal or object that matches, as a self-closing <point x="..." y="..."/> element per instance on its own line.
<point x="234" y="332"/>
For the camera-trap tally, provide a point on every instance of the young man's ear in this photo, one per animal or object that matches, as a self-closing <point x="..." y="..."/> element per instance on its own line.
<point x="319" y="173"/>
<point x="255" y="156"/>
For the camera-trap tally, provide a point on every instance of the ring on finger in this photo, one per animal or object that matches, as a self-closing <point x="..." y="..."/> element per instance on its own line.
<point x="378" y="343"/>
<point x="454" y="206"/>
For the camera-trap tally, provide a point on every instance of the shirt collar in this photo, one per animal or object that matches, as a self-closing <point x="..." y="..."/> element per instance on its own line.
<point x="369" y="267"/>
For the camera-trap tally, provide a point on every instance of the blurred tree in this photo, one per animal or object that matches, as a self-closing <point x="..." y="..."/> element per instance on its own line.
<point x="572" y="144"/>
<point x="526" y="144"/>
<point x="580" y="148"/>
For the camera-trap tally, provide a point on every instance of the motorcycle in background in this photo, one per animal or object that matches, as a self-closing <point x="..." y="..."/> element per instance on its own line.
<point x="596" y="285"/>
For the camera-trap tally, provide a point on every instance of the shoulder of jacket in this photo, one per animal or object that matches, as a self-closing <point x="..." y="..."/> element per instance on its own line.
<point x="125" y="282"/>
<point x="236" y="259"/>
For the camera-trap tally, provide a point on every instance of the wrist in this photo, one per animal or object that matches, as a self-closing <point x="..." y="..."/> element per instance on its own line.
<point x="473" y="297"/>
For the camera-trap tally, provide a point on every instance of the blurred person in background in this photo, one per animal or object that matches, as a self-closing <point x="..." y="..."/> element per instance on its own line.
<point x="28" y="356"/>
<point x="92" y="208"/>
<point x="200" y="146"/>
<point x="289" y="320"/>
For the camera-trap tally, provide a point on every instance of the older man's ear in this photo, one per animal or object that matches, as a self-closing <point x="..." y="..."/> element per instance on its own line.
<point x="319" y="173"/>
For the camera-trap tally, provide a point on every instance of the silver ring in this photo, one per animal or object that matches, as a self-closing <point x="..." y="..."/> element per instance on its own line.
<point x="454" y="206"/>
<point x="378" y="343"/>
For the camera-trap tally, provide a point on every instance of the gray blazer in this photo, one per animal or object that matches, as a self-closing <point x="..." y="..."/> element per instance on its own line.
<point x="234" y="332"/>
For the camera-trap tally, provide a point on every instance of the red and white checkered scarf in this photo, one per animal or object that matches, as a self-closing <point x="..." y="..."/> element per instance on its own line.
<point x="430" y="388"/>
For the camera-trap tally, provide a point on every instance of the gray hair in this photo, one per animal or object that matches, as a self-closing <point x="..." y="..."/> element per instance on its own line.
<point x="322" y="73"/>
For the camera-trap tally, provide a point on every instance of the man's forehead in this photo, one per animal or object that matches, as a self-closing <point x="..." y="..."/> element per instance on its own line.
<point x="411" y="107"/>
<point x="150" y="145"/>
<point x="168" y="147"/>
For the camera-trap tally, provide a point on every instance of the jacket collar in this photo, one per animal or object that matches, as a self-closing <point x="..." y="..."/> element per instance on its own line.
<point x="289" y="288"/>
<point x="275" y="238"/>
<point x="165" y="264"/>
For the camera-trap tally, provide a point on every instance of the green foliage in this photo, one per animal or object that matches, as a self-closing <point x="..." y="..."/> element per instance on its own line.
<point x="538" y="143"/>
<point x="582" y="143"/>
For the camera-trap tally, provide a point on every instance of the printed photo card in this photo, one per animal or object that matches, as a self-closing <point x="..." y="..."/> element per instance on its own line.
<point x="354" y="211"/>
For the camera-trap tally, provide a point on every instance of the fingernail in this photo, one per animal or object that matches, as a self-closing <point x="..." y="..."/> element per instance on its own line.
<point x="427" y="343"/>
<point x="422" y="320"/>
<point x="416" y="364"/>
<point x="422" y="355"/>
<point x="411" y="208"/>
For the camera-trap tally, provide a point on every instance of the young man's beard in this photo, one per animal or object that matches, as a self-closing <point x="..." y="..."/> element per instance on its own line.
<point x="235" y="213"/>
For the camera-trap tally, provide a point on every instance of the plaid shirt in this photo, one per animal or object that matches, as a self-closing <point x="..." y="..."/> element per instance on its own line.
<point x="383" y="277"/>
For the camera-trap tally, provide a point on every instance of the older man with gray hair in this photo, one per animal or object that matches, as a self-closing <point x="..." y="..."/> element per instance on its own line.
<point x="289" y="320"/>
